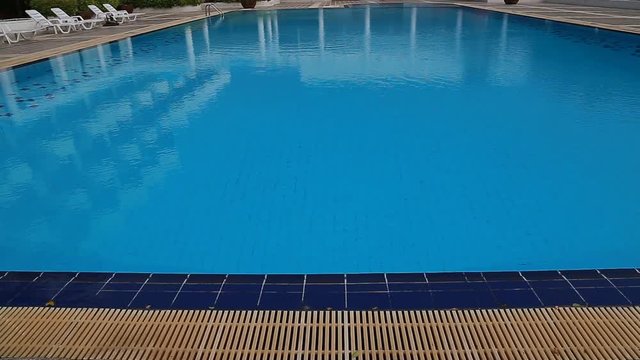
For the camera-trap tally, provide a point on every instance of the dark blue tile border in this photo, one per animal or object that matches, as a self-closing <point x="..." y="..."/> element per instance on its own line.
<point x="407" y="278"/>
<point x="581" y="274"/>
<point x="405" y="291"/>
<point x="325" y="279"/>
<point x="285" y="279"/>
<point x="542" y="275"/>
<point x="21" y="276"/>
<point x="93" y="277"/>
<point x="167" y="278"/>
<point x="366" y="278"/>
<point x="129" y="278"/>
<point x="205" y="279"/>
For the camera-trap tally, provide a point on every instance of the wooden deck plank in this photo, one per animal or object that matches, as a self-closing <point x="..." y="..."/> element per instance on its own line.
<point x="581" y="333"/>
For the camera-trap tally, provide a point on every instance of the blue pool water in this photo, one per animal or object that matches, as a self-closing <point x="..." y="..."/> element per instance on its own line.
<point x="345" y="140"/>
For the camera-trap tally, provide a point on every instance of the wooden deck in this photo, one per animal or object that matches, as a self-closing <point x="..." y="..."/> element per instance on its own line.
<point x="546" y="333"/>
<point x="50" y="45"/>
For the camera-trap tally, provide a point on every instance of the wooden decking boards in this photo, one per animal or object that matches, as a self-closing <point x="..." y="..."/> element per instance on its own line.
<point x="544" y="333"/>
<point x="46" y="46"/>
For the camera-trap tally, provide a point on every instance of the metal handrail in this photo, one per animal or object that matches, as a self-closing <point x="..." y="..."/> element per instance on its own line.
<point x="208" y="9"/>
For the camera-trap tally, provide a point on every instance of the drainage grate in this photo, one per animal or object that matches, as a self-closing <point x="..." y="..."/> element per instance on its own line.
<point x="546" y="333"/>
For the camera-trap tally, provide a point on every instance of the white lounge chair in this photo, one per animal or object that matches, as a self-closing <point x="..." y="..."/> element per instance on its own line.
<point x="6" y="33"/>
<point x="76" y="21"/>
<point x="6" y="37"/>
<point x="103" y="15"/>
<point x="130" y="17"/>
<point x="45" y="24"/>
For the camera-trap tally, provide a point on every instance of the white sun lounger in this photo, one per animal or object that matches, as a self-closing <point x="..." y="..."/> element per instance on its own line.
<point x="130" y="17"/>
<point x="7" y="34"/>
<point x="76" y="21"/>
<point x="45" y="24"/>
<point x="103" y="15"/>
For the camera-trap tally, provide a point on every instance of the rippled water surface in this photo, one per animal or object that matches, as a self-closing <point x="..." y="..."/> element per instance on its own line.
<point x="343" y="140"/>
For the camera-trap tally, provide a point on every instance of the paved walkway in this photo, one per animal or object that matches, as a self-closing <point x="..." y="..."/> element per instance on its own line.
<point x="625" y="20"/>
<point x="45" y="46"/>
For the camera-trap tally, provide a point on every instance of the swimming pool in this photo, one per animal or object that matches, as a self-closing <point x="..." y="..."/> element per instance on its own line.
<point x="390" y="139"/>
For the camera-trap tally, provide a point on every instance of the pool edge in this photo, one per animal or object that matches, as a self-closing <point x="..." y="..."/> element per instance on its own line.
<point x="361" y="292"/>
<point x="518" y="11"/>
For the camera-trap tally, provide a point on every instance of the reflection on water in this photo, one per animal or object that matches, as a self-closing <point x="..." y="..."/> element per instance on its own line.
<point x="99" y="148"/>
<point x="86" y="134"/>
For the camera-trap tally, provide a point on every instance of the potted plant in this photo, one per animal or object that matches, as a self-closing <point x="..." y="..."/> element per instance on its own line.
<point x="86" y="14"/>
<point x="83" y="10"/>
<point x="510" y="2"/>
<point x="248" y="4"/>
<point x="128" y="7"/>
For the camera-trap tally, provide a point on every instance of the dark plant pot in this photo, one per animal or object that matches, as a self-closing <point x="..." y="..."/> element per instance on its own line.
<point x="86" y="14"/>
<point x="248" y="4"/>
<point x="127" y="7"/>
<point x="511" y="2"/>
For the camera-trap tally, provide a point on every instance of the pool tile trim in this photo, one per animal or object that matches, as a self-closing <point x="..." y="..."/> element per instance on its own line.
<point x="375" y="291"/>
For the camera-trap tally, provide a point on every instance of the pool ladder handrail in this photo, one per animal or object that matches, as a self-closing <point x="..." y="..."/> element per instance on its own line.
<point x="209" y="7"/>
